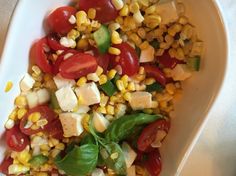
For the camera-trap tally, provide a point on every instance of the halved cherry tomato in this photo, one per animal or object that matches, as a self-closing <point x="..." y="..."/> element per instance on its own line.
<point x="153" y="163"/>
<point x="45" y="112"/>
<point x="55" y="129"/>
<point x="128" y="59"/>
<point x="58" y="20"/>
<point x="154" y="71"/>
<point x="148" y="134"/>
<point x="78" y="65"/>
<point x="5" y="164"/>
<point x="61" y="58"/>
<point x="167" y="61"/>
<point x="39" y="52"/>
<point x="105" y="11"/>
<point x="16" y="140"/>
<point x="102" y="60"/>
<point x="53" y="42"/>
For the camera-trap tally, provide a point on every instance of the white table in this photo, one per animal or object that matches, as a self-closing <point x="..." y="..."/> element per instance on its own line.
<point x="215" y="151"/>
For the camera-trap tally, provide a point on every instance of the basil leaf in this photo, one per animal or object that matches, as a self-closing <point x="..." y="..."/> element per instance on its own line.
<point x="87" y="139"/>
<point x="80" y="161"/>
<point x="113" y="157"/>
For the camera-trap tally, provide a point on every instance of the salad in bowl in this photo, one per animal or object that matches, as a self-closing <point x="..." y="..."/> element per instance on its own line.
<point x="100" y="90"/>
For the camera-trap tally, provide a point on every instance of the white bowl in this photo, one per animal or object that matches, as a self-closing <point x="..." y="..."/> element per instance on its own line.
<point x="200" y="92"/>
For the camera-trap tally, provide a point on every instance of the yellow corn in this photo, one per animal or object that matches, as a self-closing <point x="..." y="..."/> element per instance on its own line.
<point x="110" y="110"/>
<point x="113" y="99"/>
<point x="60" y="146"/>
<point x="129" y="23"/>
<point x="114" y="51"/>
<point x="118" y="4"/>
<point x="142" y="33"/>
<point x="45" y="147"/>
<point x="9" y="86"/>
<point x="13" y="115"/>
<point x="163" y="104"/>
<point x="47" y="77"/>
<point x="135" y="38"/>
<point x="170" y="88"/>
<point x="34" y="117"/>
<point x="54" y="152"/>
<point x="141" y="70"/>
<point x="85" y="122"/>
<point x="124" y="11"/>
<point x="152" y="21"/>
<point x="73" y="34"/>
<point x="42" y="122"/>
<point x="102" y="110"/>
<point x="21" y="101"/>
<point x="115" y="37"/>
<point x="81" y="18"/>
<point x="154" y="104"/>
<point x="36" y="70"/>
<point x="140" y="77"/>
<point x="125" y="80"/>
<point x="120" y="85"/>
<point x="138" y="17"/>
<point x="148" y="111"/>
<point x="34" y="127"/>
<point x="131" y="86"/>
<point x="127" y="96"/>
<point x="17" y="169"/>
<point x="177" y="95"/>
<point x="149" y="81"/>
<point x="82" y="44"/>
<point x="21" y="112"/>
<point x="54" y="141"/>
<point x="9" y="124"/>
<point x="150" y="10"/>
<point x="140" y="170"/>
<point x="104" y="100"/>
<point x="41" y="174"/>
<point x="120" y="20"/>
<point x="113" y="26"/>
<point x="183" y="20"/>
<point x="92" y="13"/>
<point x="99" y="71"/>
<point x="45" y="153"/>
<point x="82" y="81"/>
<point x="102" y="79"/>
<point x="112" y="73"/>
<point x="134" y="7"/>
<point x="144" y="45"/>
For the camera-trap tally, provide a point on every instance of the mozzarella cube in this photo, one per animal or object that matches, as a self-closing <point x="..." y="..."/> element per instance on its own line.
<point x="88" y="94"/>
<point x="100" y="123"/>
<point x="82" y="109"/>
<point x="147" y="55"/>
<point x="129" y="154"/>
<point x="98" y="172"/>
<point x="62" y="82"/>
<point x="71" y="124"/>
<point x="26" y="83"/>
<point x="131" y="171"/>
<point x="67" y="42"/>
<point x="32" y="99"/>
<point x="168" y="12"/>
<point x="43" y="96"/>
<point x="66" y="98"/>
<point x="140" y="100"/>
<point x="180" y="72"/>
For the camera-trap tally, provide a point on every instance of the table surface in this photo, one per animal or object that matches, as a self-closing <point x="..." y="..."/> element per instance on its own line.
<point x="215" y="152"/>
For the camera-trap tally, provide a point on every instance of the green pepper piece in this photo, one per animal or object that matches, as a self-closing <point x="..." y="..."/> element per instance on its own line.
<point x="116" y="78"/>
<point x="154" y="87"/>
<point x="108" y="88"/>
<point x="53" y="101"/>
<point x="194" y="63"/>
<point x="155" y="44"/>
<point x="38" y="160"/>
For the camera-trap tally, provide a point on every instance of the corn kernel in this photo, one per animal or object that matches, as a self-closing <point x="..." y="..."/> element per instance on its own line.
<point x="125" y="80"/>
<point x="104" y="100"/>
<point x="150" y="81"/>
<point x="127" y="96"/>
<point x="138" y="17"/>
<point x="115" y="38"/>
<point x="45" y="153"/>
<point x="41" y="174"/>
<point x="45" y="147"/>
<point x="47" y="77"/>
<point x="24" y="157"/>
<point x="60" y="146"/>
<point x="141" y="70"/>
<point x="170" y="88"/>
<point x="82" y="81"/>
<point x="110" y="110"/>
<point x="21" y="101"/>
<point x="9" y="86"/>
<point x="114" y="26"/>
<point x="112" y="73"/>
<point x="114" y="51"/>
<point x="82" y="44"/>
<point x="124" y="11"/>
<point x="34" y="127"/>
<point x="131" y="86"/>
<point x="134" y="7"/>
<point x="54" y="141"/>
<point x="150" y="10"/>
<point x="120" y="20"/>
<point x="73" y="34"/>
<point x="135" y="38"/>
<point x="85" y="122"/>
<point x="152" y="21"/>
<point x="92" y="13"/>
<point x="142" y="33"/>
<point x="102" y="110"/>
<point x="13" y="115"/>
<point x="17" y="169"/>
<point x="93" y="77"/>
<point x="113" y="98"/>
<point x="21" y="112"/>
<point x="99" y="71"/>
<point x="148" y="111"/>
<point x="163" y="104"/>
<point x="36" y="70"/>
<point x="154" y="104"/>
<point x="183" y="20"/>
<point x="118" y="4"/>
<point x="54" y="152"/>
<point x="139" y="77"/>
<point x="120" y="85"/>
<point x="102" y="79"/>
<point x="9" y="124"/>
<point x="34" y="117"/>
<point x="129" y="23"/>
<point x="42" y="122"/>
<point x="144" y="45"/>
<point x="81" y="18"/>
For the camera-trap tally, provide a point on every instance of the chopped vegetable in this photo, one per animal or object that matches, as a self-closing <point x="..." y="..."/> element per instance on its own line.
<point x="38" y="160"/>
<point x="154" y="87"/>
<point x="194" y="63"/>
<point x="108" y="88"/>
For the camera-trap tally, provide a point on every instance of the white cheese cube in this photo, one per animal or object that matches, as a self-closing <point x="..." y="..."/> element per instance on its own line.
<point x="129" y="153"/>
<point x="100" y="123"/>
<point x="62" y="82"/>
<point x="82" y="109"/>
<point x="147" y="55"/>
<point x="43" y="96"/>
<point x="26" y="83"/>
<point x="71" y="124"/>
<point x="88" y="94"/>
<point x="131" y="171"/>
<point x="140" y="100"/>
<point x="66" y="98"/>
<point x="67" y="42"/>
<point x="32" y="99"/>
<point x="180" y="72"/>
<point x="168" y="12"/>
<point x="98" y="172"/>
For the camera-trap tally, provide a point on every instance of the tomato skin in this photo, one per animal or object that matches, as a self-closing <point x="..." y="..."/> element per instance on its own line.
<point x="153" y="163"/>
<point x="102" y="60"/>
<point x="105" y="11"/>
<point x="55" y="129"/>
<point x="54" y="43"/>
<point x="128" y="59"/>
<point x="154" y="71"/>
<point x="78" y="65"/>
<point x="148" y="134"/>
<point x="5" y="164"/>
<point x="58" y="20"/>
<point x="46" y="113"/>
<point x="167" y="61"/>
<point x="16" y="140"/>
<point x="39" y="55"/>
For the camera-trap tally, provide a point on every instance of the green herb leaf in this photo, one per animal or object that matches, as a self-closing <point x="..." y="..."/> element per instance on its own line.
<point x="80" y="161"/>
<point x="38" y="160"/>
<point x="108" y="88"/>
<point x="88" y="139"/>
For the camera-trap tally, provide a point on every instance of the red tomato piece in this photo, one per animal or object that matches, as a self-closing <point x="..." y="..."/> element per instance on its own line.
<point x="167" y="61"/>
<point x="39" y="54"/>
<point x="102" y="60"/>
<point x="154" y="71"/>
<point x="153" y="163"/>
<point x="16" y="140"/>
<point x="128" y="59"/>
<point x="78" y="65"/>
<point x="55" y="129"/>
<point x="54" y="44"/>
<point x="58" y="20"/>
<point x="45" y="112"/>
<point x="5" y="164"/>
<point x="61" y="58"/>
<point x="148" y="134"/>
<point x="105" y="11"/>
